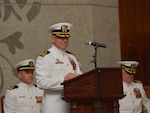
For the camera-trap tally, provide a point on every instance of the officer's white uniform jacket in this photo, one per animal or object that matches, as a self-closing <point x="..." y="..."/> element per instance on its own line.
<point x="23" y="98"/>
<point x="135" y="97"/>
<point x="50" y="72"/>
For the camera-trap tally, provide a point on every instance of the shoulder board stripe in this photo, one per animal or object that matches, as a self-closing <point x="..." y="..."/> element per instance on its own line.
<point x="12" y="87"/>
<point x="44" y="53"/>
<point x="69" y="52"/>
<point x="35" y="85"/>
<point x="138" y="81"/>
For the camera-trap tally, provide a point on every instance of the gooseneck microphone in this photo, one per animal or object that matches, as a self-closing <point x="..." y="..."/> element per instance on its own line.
<point x="95" y="44"/>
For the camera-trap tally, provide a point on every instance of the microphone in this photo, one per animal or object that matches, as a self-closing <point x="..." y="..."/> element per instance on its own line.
<point x="96" y="44"/>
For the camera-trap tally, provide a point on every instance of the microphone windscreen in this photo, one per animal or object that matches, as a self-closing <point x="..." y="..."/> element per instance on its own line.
<point x="87" y="42"/>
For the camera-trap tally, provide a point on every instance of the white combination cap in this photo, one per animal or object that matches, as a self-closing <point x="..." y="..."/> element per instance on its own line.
<point x="24" y="65"/>
<point x="129" y="63"/>
<point x="129" y="66"/>
<point x="61" y="30"/>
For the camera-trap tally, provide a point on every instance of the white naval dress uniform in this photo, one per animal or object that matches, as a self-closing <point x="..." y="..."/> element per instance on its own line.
<point x="23" y="98"/>
<point x="50" y="72"/>
<point x="135" y="97"/>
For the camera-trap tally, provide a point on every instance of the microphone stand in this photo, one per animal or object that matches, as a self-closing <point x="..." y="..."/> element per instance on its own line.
<point x="97" y="80"/>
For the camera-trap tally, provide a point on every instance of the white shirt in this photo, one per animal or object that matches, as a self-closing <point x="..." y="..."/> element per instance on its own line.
<point x="50" y="72"/>
<point x="135" y="97"/>
<point x="23" y="98"/>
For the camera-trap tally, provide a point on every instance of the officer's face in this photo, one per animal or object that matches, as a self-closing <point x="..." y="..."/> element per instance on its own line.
<point x="60" y="43"/>
<point x="26" y="76"/>
<point x="128" y="78"/>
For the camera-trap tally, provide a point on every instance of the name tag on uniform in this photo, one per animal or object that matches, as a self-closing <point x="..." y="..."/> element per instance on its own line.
<point x="22" y="97"/>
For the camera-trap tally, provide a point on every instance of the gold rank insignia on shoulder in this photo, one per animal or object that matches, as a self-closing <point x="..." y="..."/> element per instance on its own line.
<point x="12" y="87"/>
<point x="138" y="81"/>
<point x="44" y="53"/>
<point x="137" y="93"/>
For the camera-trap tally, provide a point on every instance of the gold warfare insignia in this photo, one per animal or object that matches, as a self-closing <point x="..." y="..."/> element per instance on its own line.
<point x="137" y="93"/>
<point x="58" y="61"/>
<point x="44" y="53"/>
<point x="133" y="66"/>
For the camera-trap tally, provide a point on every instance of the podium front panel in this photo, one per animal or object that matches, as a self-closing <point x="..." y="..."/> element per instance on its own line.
<point x="84" y="86"/>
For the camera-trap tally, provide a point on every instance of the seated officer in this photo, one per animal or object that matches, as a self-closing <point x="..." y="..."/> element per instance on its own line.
<point x="135" y="98"/>
<point x="23" y="97"/>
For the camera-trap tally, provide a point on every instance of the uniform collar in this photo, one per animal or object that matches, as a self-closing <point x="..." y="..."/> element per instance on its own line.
<point x="58" y="50"/>
<point x="127" y="84"/>
<point x="26" y="85"/>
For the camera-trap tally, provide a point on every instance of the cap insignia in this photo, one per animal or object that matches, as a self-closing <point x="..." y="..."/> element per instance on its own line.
<point x="31" y="64"/>
<point x="64" y="28"/>
<point x="63" y="32"/>
<point x="133" y="66"/>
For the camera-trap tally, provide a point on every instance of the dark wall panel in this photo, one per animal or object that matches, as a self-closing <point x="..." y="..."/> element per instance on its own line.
<point x="134" y="17"/>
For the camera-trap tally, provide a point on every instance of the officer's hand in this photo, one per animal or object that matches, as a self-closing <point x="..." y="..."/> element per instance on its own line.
<point x="71" y="76"/>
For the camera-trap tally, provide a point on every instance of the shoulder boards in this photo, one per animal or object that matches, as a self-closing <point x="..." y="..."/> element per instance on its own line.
<point x="35" y="85"/>
<point x="138" y="81"/>
<point x="69" y="52"/>
<point x="13" y="87"/>
<point x="44" y="53"/>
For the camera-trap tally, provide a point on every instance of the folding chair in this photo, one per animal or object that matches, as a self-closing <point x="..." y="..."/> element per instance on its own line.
<point x="2" y="103"/>
<point x="147" y="90"/>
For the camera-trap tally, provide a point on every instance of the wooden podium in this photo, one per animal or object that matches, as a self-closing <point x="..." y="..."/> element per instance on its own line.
<point x="81" y="92"/>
